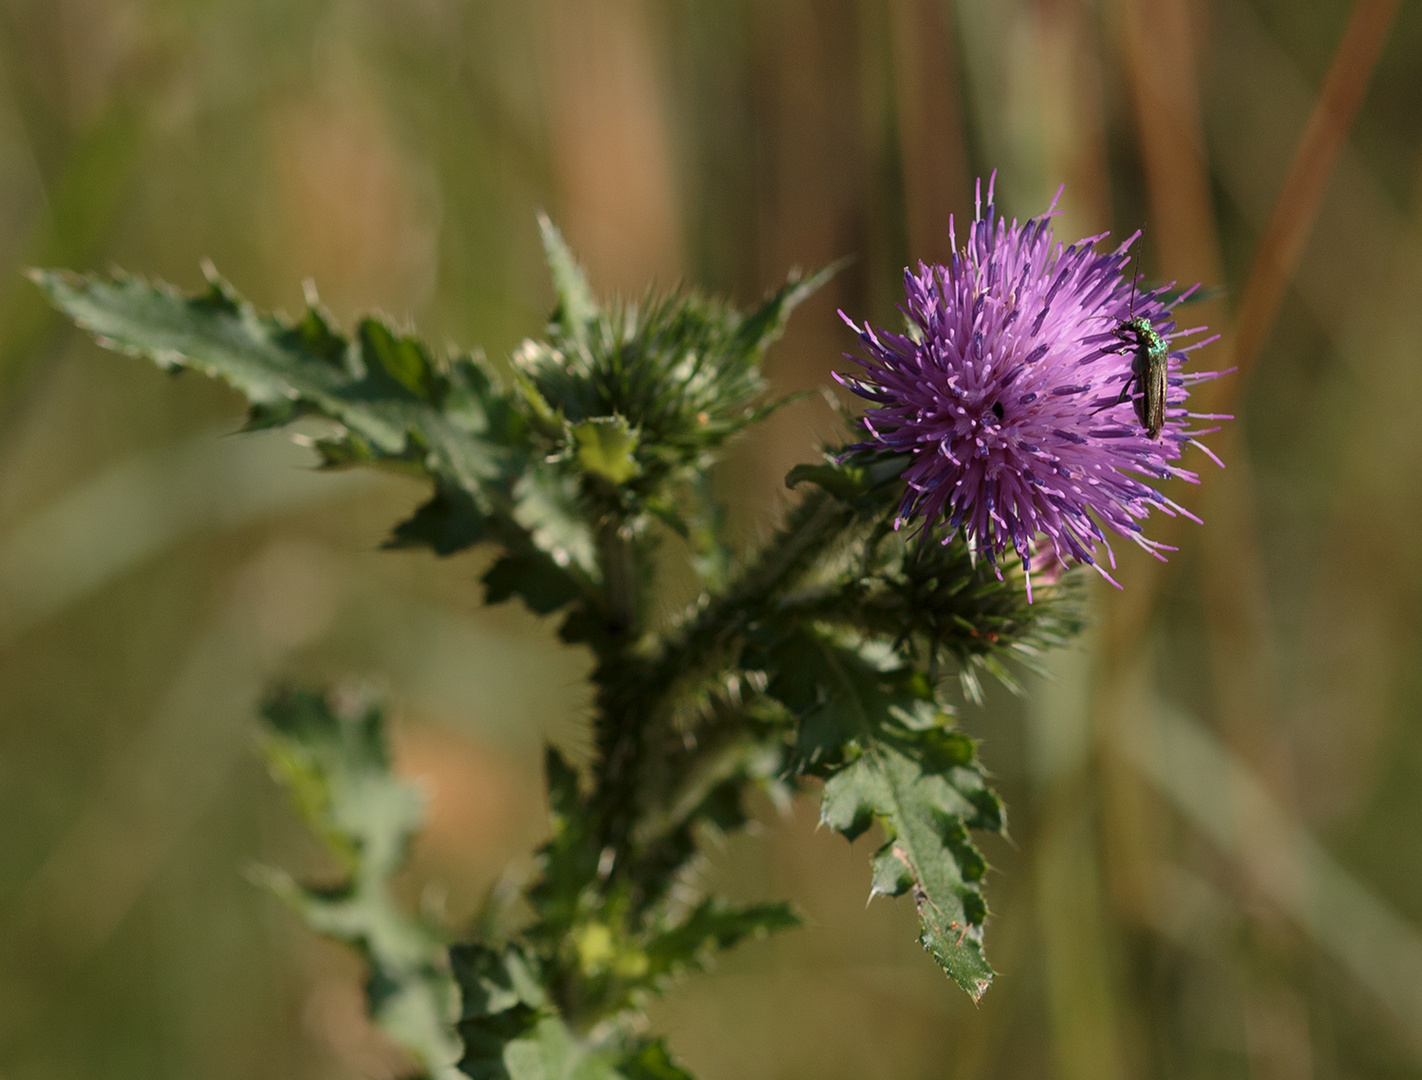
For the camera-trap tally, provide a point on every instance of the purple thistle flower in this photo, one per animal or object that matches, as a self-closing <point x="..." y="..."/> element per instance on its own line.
<point x="1006" y="394"/>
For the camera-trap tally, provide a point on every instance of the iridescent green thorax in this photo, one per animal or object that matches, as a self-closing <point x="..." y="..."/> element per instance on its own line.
<point x="1146" y="336"/>
<point x="1150" y="357"/>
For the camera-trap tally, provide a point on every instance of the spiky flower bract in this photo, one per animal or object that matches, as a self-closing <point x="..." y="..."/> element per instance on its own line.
<point x="1007" y="394"/>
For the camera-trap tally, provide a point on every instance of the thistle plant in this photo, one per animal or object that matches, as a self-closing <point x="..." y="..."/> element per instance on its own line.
<point x="825" y="658"/>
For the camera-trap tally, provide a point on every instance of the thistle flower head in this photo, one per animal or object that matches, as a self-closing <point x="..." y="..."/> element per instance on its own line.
<point x="1007" y="394"/>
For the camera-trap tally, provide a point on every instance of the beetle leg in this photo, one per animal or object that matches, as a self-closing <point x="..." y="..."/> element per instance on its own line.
<point x="1126" y="390"/>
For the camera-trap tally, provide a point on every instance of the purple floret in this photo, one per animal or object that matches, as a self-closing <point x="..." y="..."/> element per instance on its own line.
<point x="1006" y="394"/>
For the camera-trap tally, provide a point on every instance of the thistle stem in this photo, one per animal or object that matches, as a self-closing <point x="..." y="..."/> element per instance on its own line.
<point x="635" y="689"/>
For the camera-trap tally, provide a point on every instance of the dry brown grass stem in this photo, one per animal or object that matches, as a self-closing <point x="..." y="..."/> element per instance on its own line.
<point x="1301" y="195"/>
<point x="1194" y="247"/>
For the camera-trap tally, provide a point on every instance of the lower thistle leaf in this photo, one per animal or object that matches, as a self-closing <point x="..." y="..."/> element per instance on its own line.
<point x="869" y="724"/>
<point x="924" y="815"/>
<point x="523" y="1043"/>
<point x="329" y="751"/>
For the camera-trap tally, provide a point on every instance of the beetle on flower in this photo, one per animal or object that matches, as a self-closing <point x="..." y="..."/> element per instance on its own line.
<point x="1006" y="394"/>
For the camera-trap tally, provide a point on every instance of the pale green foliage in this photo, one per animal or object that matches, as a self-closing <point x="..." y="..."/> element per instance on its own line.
<point x="329" y="753"/>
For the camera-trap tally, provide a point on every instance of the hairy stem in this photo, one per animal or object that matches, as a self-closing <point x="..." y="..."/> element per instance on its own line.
<point x="814" y="524"/>
<point x="639" y="688"/>
<point x="618" y="553"/>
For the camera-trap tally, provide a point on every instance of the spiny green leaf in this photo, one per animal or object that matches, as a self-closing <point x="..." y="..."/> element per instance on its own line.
<point x="928" y="851"/>
<point x="760" y="328"/>
<point x="329" y="752"/>
<point x="334" y="762"/>
<point x="486" y="1037"/>
<point x="550" y="1051"/>
<point x="394" y="405"/>
<point x="841" y="694"/>
<point x="450" y="522"/>
<point x="284" y="370"/>
<point x="713" y="925"/>
<point x="577" y="309"/>
<point x="528" y="577"/>
<point x="523" y="1044"/>
<point x="869" y="723"/>
<point x="312" y="335"/>
<point x="607" y="448"/>
<point x="403" y="358"/>
<point x="491" y="981"/>
<point x="652" y="1062"/>
<point x="549" y="506"/>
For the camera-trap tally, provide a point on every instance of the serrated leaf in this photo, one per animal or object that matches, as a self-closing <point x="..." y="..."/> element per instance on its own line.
<point x="283" y="369"/>
<point x="265" y="415"/>
<point x="606" y="447"/>
<point x="486" y="1036"/>
<point x="334" y="762"/>
<point x="511" y="1031"/>
<point x="577" y="309"/>
<point x="844" y="694"/>
<point x="342" y="451"/>
<point x="548" y="505"/>
<point x="330" y="754"/>
<point x="766" y="323"/>
<point x="314" y="332"/>
<point x="403" y="358"/>
<point x="223" y="339"/>
<point x="449" y="522"/>
<point x="492" y="981"/>
<point x="869" y="724"/>
<point x="523" y="1044"/>
<point x="652" y="1062"/>
<point x="394" y="405"/>
<point x="527" y="577"/>
<point x="713" y="925"/>
<point x="549" y="1051"/>
<point x="928" y="851"/>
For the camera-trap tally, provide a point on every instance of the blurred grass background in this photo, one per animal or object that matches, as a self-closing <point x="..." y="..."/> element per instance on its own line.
<point x="1216" y="868"/>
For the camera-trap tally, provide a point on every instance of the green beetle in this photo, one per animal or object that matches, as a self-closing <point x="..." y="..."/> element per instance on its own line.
<point x="1149" y="361"/>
